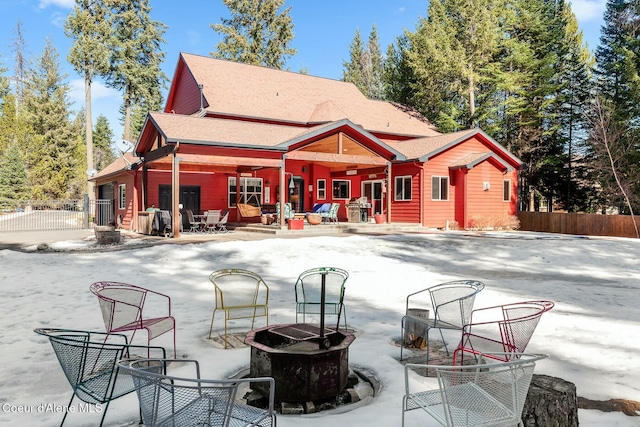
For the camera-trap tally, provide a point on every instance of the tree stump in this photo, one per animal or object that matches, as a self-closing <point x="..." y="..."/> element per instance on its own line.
<point x="414" y="330"/>
<point x="551" y="402"/>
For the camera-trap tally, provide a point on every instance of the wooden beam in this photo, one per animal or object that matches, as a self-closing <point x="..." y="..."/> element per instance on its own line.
<point x="160" y="153"/>
<point x="336" y="158"/>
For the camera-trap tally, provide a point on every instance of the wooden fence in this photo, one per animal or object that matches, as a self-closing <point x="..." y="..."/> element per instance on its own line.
<point x="583" y="224"/>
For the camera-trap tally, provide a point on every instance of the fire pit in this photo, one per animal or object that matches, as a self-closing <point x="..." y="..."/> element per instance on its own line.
<point x="308" y="363"/>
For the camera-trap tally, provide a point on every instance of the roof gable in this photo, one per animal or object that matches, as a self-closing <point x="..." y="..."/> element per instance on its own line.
<point x="423" y="149"/>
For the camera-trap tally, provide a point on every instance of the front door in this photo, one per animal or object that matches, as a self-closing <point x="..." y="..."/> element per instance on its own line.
<point x="189" y="198"/>
<point x="296" y="195"/>
<point x="372" y="190"/>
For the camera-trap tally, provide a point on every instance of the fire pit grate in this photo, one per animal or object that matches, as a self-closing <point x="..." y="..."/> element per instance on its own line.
<point x="301" y="331"/>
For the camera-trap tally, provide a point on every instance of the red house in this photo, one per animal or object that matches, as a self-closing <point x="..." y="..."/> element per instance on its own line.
<point x="235" y="133"/>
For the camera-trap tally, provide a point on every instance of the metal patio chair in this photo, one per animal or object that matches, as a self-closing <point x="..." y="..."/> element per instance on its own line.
<point x="179" y="401"/>
<point x="221" y="226"/>
<point x="239" y="294"/>
<point x="446" y="305"/>
<point x="211" y="220"/>
<point x="487" y="394"/>
<point x="504" y="329"/>
<point x="332" y="214"/>
<point x="195" y="226"/>
<point x="122" y="306"/>
<point x="308" y="290"/>
<point x="88" y="360"/>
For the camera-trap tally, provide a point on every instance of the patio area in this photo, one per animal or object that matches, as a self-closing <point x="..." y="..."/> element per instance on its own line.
<point x="586" y="337"/>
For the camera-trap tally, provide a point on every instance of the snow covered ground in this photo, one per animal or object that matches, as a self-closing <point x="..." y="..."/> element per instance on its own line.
<point x="591" y="334"/>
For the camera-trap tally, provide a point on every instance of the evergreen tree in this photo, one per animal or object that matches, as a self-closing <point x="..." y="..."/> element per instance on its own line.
<point x="52" y="154"/>
<point x="20" y="64"/>
<point x="136" y="56"/>
<point x="575" y="75"/>
<point x="89" y="28"/>
<point x="103" y="140"/>
<point x="13" y="176"/>
<point x="259" y="32"/>
<point x="451" y="52"/>
<point x="4" y="86"/>
<point x="617" y="59"/>
<point x="397" y="74"/>
<point x="366" y="66"/>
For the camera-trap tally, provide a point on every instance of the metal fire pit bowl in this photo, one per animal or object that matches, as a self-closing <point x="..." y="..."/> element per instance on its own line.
<point x="306" y="363"/>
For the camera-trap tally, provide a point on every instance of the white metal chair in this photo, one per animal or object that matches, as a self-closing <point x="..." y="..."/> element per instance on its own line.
<point x="239" y="294"/>
<point x="195" y="226"/>
<point x="211" y="221"/>
<point x="122" y="307"/>
<point x="449" y="306"/>
<point x="177" y="401"/>
<point x="221" y="226"/>
<point x="486" y="394"/>
<point x="88" y="360"/>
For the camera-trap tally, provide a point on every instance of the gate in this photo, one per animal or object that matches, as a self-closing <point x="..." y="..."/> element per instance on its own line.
<point x="49" y="215"/>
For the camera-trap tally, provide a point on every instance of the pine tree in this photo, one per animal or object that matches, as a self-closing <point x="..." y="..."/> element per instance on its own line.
<point x="89" y="28"/>
<point x="103" y="140"/>
<point x="137" y="56"/>
<point x="366" y="66"/>
<point x="453" y="49"/>
<point x="52" y="154"/>
<point x="617" y="57"/>
<point x="259" y="32"/>
<point x="13" y="176"/>
<point x="397" y="75"/>
<point x="20" y="64"/>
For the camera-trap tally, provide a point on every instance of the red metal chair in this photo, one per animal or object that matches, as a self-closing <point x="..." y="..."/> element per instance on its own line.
<point x="122" y="310"/>
<point x="503" y="329"/>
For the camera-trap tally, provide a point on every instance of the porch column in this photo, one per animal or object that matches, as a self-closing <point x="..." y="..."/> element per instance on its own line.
<point x="282" y="192"/>
<point x="175" y="195"/>
<point x="389" y="192"/>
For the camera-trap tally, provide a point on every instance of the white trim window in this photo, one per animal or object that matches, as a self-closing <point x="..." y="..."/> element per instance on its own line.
<point x="250" y="191"/>
<point x="402" y="188"/>
<point x="122" y="196"/>
<point x="506" y="190"/>
<point x="321" y="189"/>
<point x="440" y="188"/>
<point x="341" y="189"/>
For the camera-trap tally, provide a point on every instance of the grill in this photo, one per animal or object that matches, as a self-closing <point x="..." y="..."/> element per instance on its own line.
<point x="358" y="210"/>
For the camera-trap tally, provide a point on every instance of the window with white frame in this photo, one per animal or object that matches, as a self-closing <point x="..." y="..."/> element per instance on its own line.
<point x="249" y="191"/>
<point x="403" y="187"/>
<point x="321" y="185"/>
<point x="341" y="189"/>
<point x="122" y="196"/>
<point x="439" y="188"/>
<point x="506" y="190"/>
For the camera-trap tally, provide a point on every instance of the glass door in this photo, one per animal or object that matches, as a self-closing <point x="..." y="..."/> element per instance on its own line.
<point x="372" y="190"/>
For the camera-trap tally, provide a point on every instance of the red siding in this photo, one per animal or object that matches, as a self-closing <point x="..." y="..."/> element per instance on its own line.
<point x="186" y="99"/>
<point x="405" y="210"/>
<point x="467" y="199"/>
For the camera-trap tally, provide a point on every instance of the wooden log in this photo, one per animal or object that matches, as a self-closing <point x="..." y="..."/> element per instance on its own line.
<point x="551" y="402"/>
<point x="412" y="338"/>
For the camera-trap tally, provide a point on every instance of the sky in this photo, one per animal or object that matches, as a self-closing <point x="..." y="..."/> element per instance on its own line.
<point x="590" y="335"/>
<point x="323" y="31"/>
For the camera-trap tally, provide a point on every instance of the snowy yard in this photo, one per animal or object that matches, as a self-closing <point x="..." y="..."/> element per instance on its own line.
<point x="591" y="334"/>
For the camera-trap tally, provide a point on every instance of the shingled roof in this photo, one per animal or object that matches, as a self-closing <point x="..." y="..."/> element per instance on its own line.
<point x="242" y="90"/>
